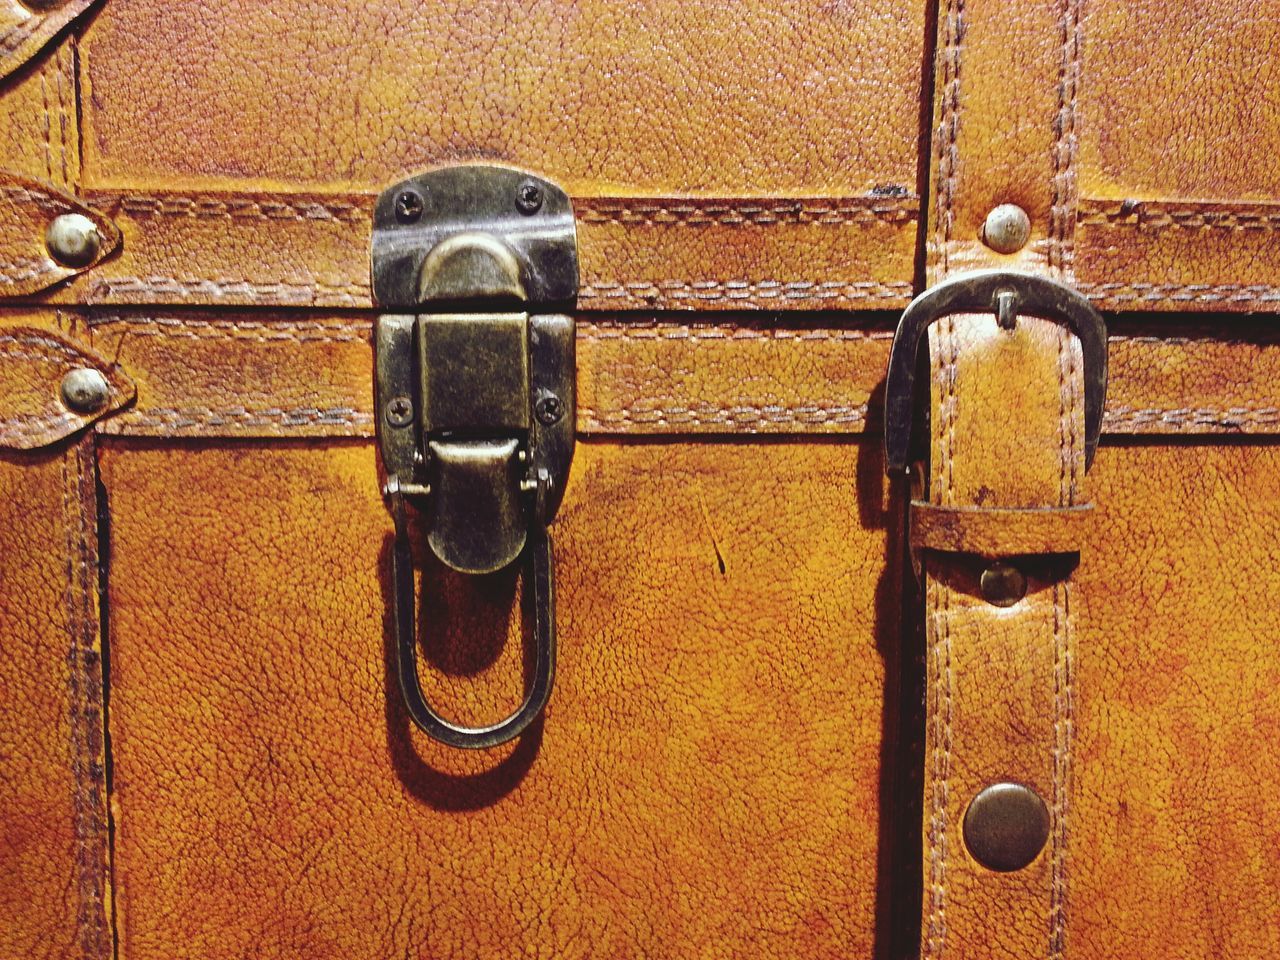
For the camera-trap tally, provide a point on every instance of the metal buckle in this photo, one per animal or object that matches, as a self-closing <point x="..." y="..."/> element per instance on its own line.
<point x="477" y="401"/>
<point x="1008" y="295"/>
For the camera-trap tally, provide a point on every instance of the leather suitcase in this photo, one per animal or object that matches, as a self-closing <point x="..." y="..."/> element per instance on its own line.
<point x="837" y="436"/>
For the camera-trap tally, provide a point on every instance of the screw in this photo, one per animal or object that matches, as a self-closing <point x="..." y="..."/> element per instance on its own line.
<point x="409" y="206"/>
<point x="549" y="410"/>
<point x="528" y="197"/>
<point x="73" y="240"/>
<point x="399" y="412"/>
<point x="85" y="390"/>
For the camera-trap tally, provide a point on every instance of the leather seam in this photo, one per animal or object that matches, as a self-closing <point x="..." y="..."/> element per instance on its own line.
<point x="14" y="37"/>
<point x="1181" y="292"/>
<point x="42" y="268"/>
<point x="738" y="289"/>
<point x="1062" y="179"/>
<point x="196" y="208"/>
<point x="746" y="214"/>
<point x="253" y="331"/>
<point x="207" y="416"/>
<point x="1120" y="217"/>
<point x="948" y="135"/>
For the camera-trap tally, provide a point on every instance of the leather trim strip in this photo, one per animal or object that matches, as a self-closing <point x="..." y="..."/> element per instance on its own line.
<point x="268" y="249"/>
<point x="206" y="374"/>
<point x="998" y="531"/>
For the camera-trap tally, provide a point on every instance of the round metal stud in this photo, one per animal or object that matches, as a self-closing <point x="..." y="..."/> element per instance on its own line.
<point x="1007" y="229"/>
<point x="85" y="390"/>
<point x="1006" y="827"/>
<point x="73" y="240"/>
<point x="528" y="197"/>
<point x="409" y="206"/>
<point x="549" y="410"/>
<point x="1003" y="585"/>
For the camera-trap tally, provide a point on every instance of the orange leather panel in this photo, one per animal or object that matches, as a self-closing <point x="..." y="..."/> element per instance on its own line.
<point x="27" y="207"/>
<point x="229" y="375"/>
<point x="706" y="780"/>
<point x="1175" y="819"/>
<point x="33" y="361"/>
<point x="53" y="829"/>
<point x="26" y="27"/>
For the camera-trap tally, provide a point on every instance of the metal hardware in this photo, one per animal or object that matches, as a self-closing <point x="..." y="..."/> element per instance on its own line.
<point x="73" y="240"/>
<point x="1007" y="228"/>
<point x="1002" y="584"/>
<point x="1007" y="295"/>
<point x="1006" y="827"/>
<point x="85" y="390"/>
<point x="477" y="429"/>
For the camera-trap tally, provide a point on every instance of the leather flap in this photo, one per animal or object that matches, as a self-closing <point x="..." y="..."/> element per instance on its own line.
<point x="26" y="27"/>
<point x="33" y="363"/>
<point x="27" y="208"/>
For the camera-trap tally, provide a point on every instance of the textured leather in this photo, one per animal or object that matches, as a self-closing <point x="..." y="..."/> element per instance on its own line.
<point x="33" y="361"/>
<point x="54" y="889"/>
<point x="706" y="778"/>
<point x="26" y="27"/>
<point x="227" y="374"/>
<point x="27" y="207"/>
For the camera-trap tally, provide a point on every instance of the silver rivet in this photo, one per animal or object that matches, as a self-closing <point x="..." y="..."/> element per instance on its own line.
<point x="1006" y="827"/>
<point x="1008" y="228"/>
<point x="1003" y="585"/>
<point x="73" y="240"/>
<point x="85" y="390"/>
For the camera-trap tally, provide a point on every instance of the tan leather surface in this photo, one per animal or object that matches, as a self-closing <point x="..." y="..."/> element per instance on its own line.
<point x="27" y="207"/>
<point x="53" y="831"/>
<point x="33" y="362"/>
<point x="998" y="531"/>
<point x="26" y="27"/>
<point x="1175" y="820"/>
<point x="720" y="157"/>
<point x="242" y="375"/>
<point x="705" y="782"/>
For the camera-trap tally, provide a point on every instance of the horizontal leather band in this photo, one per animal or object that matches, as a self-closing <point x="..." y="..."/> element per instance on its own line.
<point x="308" y="374"/>
<point x="312" y="249"/>
<point x="998" y="531"/>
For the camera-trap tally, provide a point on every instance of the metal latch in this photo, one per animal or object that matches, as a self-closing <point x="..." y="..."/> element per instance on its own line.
<point x="476" y="396"/>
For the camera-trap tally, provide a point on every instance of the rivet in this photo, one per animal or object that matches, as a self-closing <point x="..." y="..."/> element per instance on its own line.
<point x="1008" y="228"/>
<point x="528" y="197"/>
<point x="73" y="240"/>
<point x="549" y="410"/>
<point x="399" y="411"/>
<point x="1003" y="585"/>
<point x="85" y="390"/>
<point x="1006" y="827"/>
<point x="409" y="206"/>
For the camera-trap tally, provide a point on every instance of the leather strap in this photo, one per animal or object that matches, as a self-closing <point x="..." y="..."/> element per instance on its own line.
<point x="1007" y="433"/>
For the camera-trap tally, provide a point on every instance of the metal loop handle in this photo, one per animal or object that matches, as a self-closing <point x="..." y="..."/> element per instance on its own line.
<point x="542" y="582"/>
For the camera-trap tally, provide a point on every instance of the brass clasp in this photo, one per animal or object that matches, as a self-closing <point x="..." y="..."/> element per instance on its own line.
<point x="477" y="400"/>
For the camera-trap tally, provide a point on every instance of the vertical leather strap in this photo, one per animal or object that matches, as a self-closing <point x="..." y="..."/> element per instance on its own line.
<point x="1006" y="432"/>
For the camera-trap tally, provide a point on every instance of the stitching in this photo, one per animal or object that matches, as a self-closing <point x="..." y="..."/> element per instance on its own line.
<point x="1182" y="292"/>
<point x="20" y="194"/>
<point x="350" y="293"/>
<point x="62" y="112"/>
<point x="242" y="208"/>
<point x="1151" y="215"/>
<point x="179" y="417"/>
<point x="744" y="290"/>
<point x="637" y="331"/>
<point x="48" y="148"/>
<point x="753" y="213"/>
<point x="13" y="38"/>
<point x="26" y="268"/>
<point x="738" y="415"/>
<point x="1063" y="155"/>
<point x="256" y="331"/>
<point x="949" y="126"/>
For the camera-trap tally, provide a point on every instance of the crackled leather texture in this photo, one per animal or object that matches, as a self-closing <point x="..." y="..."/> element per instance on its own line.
<point x="706" y="778"/>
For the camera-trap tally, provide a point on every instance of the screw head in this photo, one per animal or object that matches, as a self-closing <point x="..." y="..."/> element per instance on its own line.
<point x="1003" y="585"/>
<point x="85" y="390"/>
<point x="399" y="411"/>
<point x="549" y="410"/>
<point x="409" y="206"/>
<point x="1007" y="228"/>
<point x="528" y="197"/>
<point x="73" y="240"/>
<point x="1006" y="827"/>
